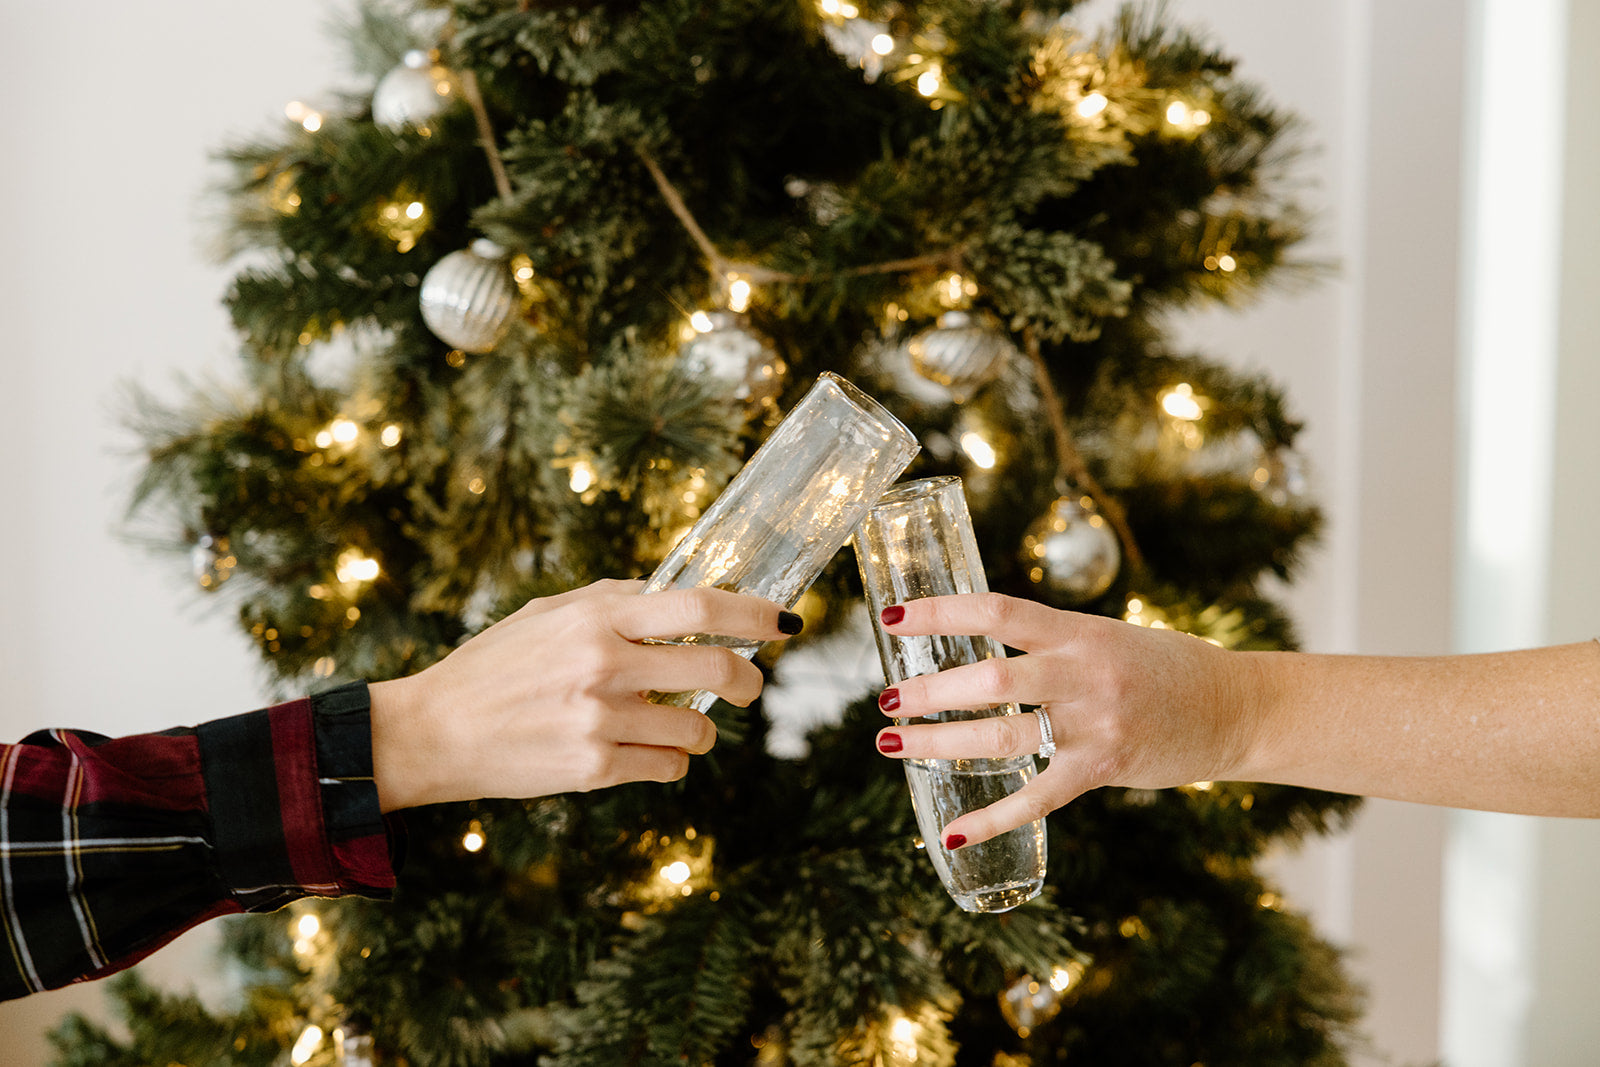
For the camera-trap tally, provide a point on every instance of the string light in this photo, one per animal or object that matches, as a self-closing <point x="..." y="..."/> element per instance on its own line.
<point x="306" y="1046"/>
<point x="473" y="840"/>
<point x="978" y="450"/>
<point x="309" y="119"/>
<point x="930" y="81"/>
<point x="676" y="872"/>
<point x="581" y="476"/>
<point x="354" y="567"/>
<point x="701" y="322"/>
<point x="308" y="925"/>
<point x="738" y="295"/>
<point x="1181" y="403"/>
<point x="883" y="44"/>
<point x="390" y="435"/>
<point x="1091" y="105"/>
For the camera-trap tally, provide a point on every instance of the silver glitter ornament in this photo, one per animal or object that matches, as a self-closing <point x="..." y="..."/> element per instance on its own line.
<point x="960" y="352"/>
<point x="737" y="358"/>
<point x="414" y="93"/>
<point x="469" y="297"/>
<point x="1071" y="550"/>
<point x="212" y="561"/>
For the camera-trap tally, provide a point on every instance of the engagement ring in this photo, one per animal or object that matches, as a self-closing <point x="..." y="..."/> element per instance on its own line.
<point x="1047" y="737"/>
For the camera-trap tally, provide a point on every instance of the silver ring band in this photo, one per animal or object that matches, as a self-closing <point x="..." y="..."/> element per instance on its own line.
<point x="1047" y="736"/>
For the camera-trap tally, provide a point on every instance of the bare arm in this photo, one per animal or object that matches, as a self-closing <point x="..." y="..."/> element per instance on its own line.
<point x="1513" y="731"/>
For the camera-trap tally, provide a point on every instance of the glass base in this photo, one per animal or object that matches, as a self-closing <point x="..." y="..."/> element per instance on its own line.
<point x="999" y="898"/>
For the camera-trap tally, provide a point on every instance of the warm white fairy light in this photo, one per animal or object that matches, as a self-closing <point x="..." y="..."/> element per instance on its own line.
<point x="308" y="925"/>
<point x="676" y="872"/>
<point x="390" y="435"/>
<point x="343" y="431"/>
<point x="701" y="322"/>
<point x="473" y="840"/>
<point x="1178" y="113"/>
<point x="903" y="1036"/>
<point x="1061" y="979"/>
<point x="930" y="81"/>
<point x="581" y="476"/>
<point x="1091" y="105"/>
<point x="882" y="44"/>
<point x="1181" y="402"/>
<point x="306" y="1046"/>
<point x="738" y="295"/>
<point x="356" y="566"/>
<point x="978" y="450"/>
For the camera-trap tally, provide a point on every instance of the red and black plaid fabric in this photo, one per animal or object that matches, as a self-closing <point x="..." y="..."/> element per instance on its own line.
<point x="110" y="848"/>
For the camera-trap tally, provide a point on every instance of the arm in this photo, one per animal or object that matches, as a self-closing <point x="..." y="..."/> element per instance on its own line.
<point x="111" y="848"/>
<point x="1513" y="731"/>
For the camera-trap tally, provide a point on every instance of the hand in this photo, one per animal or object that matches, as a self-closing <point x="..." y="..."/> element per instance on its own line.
<point x="1129" y="706"/>
<point x="550" y="699"/>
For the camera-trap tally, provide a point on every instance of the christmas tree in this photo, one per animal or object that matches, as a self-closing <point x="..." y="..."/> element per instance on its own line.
<point x="509" y="323"/>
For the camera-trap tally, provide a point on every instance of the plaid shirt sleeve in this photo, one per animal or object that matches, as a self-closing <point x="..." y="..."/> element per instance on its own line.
<point x="110" y="848"/>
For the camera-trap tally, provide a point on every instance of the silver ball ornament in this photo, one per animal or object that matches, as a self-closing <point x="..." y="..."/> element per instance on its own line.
<point x="1071" y="551"/>
<point x="960" y="352"/>
<point x="737" y="358"/>
<point x="469" y="297"/>
<point x="414" y="93"/>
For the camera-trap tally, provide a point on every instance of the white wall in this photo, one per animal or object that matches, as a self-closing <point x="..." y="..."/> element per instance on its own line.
<point x="111" y="120"/>
<point x="112" y="112"/>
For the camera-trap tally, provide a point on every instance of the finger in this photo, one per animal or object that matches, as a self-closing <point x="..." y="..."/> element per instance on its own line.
<point x="678" y="668"/>
<point x="544" y="604"/>
<point x="996" y="737"/>
<point x="1003" y="680"/>
<point x="1024" y="624"/>
<point x="1058" y="784"/>
<point x="664" y="726"/>
<point x="644" y="763"/>
<point x="678" y="612"/>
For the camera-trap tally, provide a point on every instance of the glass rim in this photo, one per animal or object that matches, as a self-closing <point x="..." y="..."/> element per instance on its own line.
<point x="872" y="407"/>
<point x="916" y="489"/>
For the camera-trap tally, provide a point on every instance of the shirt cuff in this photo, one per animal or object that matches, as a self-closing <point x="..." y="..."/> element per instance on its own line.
<point x="293" y="804"/>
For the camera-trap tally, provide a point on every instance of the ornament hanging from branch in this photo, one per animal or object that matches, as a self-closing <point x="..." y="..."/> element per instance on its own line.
<point x="469" y="297"/>
<point x="962" y="352"/>
<point x="415" y="93"/>
<point x="721" y="347"/>
<point x="1071" y="551"/>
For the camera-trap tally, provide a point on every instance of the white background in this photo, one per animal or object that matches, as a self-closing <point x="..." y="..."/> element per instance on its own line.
<point x="112" y="111"/>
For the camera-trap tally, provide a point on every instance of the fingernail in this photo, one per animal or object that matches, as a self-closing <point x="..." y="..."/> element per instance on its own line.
<point x="955" y="841"/>
<point x="789" y="623"/>
<point x="889" y="699"/>
<point x="889" y="742"/>
<point x="892" y="614"/>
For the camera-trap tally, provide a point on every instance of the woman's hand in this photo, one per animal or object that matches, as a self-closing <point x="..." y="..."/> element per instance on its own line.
<point x="550" y="699"/>
<point x="1129" y="706"/>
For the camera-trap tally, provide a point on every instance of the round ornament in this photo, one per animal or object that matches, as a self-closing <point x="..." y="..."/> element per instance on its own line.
<point x="468" y="298"/>
<point x="737" y="358"/>
<point x="960" y="352"/>
<point x="1071" y="550"/>
<point x="414" y="93"/>
<point x="1028" y="1004"/>
<point x="212" y="561"/>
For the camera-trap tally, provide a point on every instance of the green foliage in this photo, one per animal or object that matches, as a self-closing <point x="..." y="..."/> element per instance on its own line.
<point x="814" y="931"/>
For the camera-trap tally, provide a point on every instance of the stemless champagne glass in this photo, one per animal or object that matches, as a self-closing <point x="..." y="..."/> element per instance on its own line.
<point x="792" y="506"/>
<point x="917" y="541"/>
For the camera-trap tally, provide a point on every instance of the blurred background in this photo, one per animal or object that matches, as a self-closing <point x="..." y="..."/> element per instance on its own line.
<point x="1444" y="371"/>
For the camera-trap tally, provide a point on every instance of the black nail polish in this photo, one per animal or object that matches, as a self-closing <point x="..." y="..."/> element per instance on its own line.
<point x="789" y="623"/>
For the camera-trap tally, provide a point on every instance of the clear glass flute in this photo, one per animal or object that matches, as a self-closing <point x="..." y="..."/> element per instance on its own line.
<point x="917" y="541"/>
<point x="790" y="509"/>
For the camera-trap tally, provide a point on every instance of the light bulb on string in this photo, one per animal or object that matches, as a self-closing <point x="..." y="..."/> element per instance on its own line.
<point x="473" y="840"/>
<point x="306" y="1045"/>
<point x="355" y="566"/>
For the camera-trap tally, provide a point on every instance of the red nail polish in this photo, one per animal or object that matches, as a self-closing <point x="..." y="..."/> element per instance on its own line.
<point x="955" y="841"/>
<point x="889" y="743"/>
<point x="892" y="614"/>
<point x="889" y="699"/>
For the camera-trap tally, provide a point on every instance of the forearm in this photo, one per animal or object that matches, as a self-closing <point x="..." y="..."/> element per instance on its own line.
<point x="1512" y="731"/>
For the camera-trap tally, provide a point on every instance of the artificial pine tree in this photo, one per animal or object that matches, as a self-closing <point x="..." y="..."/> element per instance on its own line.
<point x="510" y="322"/>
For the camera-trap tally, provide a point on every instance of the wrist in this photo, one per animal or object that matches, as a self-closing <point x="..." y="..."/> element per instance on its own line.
<point x="1258" y="699"/>
<point x="400" y="763"/>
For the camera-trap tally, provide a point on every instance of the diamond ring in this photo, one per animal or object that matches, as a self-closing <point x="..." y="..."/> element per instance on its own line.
<point x="1047" y="736"/>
